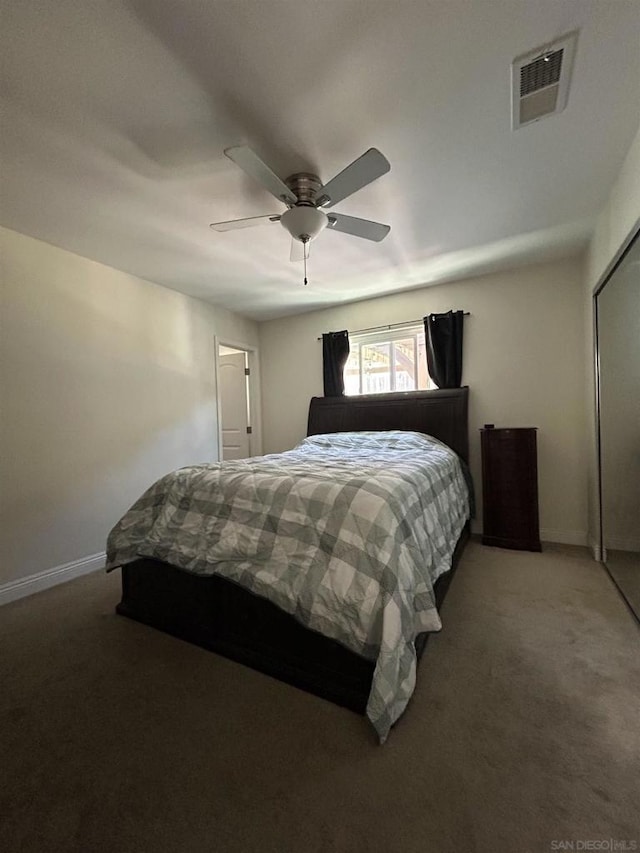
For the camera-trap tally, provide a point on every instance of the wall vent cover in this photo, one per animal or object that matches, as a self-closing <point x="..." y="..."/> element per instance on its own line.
<point x="540" y="81"/>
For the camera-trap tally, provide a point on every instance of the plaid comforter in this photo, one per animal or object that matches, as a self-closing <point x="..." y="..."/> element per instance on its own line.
<point x="348" y="532"/>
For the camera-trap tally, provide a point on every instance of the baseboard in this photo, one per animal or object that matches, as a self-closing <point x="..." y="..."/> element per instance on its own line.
<point x="564" y="537"/>
<point x="598" y="555"/>
<point x="21" y="587"/>
<point x="621" y="543"/>
<point x="547" y="534"/>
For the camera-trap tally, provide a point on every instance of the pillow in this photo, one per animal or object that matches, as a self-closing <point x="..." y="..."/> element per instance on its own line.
<point x="395" y="439"/>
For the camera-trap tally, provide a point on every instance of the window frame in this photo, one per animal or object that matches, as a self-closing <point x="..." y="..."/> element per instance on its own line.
<point x="389" y="336"/>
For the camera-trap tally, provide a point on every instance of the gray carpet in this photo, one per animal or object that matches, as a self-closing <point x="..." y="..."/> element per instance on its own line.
<point x="523" y="731"/>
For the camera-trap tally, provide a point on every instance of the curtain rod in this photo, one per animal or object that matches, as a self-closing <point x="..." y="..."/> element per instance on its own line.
<point x="393" y="326"/>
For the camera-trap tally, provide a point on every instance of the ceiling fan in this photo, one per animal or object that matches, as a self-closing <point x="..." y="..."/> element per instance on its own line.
<point x="304" y="195"/>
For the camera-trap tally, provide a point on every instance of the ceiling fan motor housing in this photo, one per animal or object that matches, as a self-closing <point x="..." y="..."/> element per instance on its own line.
<point x="305" y="187"/>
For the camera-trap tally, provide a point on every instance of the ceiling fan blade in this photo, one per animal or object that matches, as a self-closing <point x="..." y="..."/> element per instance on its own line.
<point x="298" y="250"/>
<point x="358" y="227"/>
<point x="249" y="161"/>
<point x="363" y="171"/>
<point x="232" y="224"/>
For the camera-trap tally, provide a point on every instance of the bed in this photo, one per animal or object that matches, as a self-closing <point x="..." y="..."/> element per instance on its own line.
<point x="219" y="614"/>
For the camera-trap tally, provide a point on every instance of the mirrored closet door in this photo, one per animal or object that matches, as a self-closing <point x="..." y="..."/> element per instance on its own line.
<point x="618" y="328"/>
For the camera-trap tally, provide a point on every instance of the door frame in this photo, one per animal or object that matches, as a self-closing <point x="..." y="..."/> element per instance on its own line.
<point x="255" y="401"/>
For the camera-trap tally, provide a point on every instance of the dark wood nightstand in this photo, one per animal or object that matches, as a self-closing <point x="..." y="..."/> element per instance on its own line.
<point x="510" y="488"/>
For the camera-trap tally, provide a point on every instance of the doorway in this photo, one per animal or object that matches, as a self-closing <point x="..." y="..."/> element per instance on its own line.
<point x="236" y="369"/>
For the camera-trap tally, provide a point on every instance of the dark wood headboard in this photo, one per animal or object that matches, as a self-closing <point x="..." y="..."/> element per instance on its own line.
<point x="442" y="414"/>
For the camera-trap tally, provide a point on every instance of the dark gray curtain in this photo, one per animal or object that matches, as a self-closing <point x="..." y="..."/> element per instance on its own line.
<point x="443" y="333"/>
<point x="335" y="352"/>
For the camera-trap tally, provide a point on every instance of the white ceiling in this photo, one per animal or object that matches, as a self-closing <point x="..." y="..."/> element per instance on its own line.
<point x="116" y="113"/>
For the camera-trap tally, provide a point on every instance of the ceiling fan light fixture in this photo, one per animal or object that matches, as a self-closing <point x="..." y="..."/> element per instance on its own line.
<point x="304" y="222"/>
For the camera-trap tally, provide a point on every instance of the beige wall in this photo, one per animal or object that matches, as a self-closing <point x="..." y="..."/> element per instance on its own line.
<point x="618" y="220"/>
<point x="106" y="383"/>
<point x="523" y="361"/>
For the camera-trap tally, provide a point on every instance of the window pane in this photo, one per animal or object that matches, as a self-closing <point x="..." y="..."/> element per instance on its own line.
<point x="387" y="360"/>
<point x="352" y="370"/>
<point x="376" y="368"/>
<point x="405" y="364"/>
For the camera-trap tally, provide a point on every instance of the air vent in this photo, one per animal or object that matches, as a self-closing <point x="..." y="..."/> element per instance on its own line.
<point x="540" y="81"/>
<point x="542" y="72"/>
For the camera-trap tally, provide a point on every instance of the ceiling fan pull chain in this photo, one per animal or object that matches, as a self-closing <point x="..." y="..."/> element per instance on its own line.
<point x="304" y="255"/>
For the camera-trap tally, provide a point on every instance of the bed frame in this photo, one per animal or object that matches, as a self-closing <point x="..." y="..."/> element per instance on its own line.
<point x="219" y="615"/>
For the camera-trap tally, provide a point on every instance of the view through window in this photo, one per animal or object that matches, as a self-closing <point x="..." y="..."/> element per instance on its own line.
<point x="389" y="360"/>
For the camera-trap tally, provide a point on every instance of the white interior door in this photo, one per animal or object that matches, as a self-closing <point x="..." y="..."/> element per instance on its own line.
<point x="234" y="405"/>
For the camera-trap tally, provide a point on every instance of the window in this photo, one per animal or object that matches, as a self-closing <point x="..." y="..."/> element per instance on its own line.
<point x="388" y="360"/>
